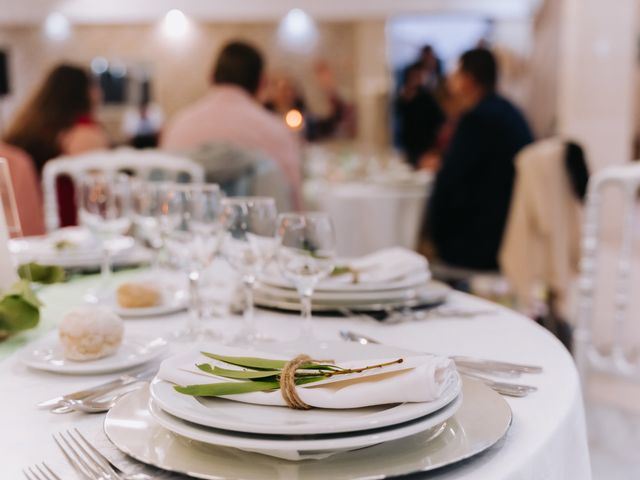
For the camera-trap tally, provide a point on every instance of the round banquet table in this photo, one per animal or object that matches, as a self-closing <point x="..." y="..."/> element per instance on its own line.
<point x="547" y="439"/>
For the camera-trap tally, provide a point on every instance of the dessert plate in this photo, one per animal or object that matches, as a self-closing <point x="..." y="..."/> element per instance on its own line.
<point x="47" y="355"/>
<point x="483" y="419"/>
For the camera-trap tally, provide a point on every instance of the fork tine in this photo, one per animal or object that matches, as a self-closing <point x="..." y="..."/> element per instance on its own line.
<point x="81" y="454"/>
<point x="99" y="465"/>
<point x="77" y="466"/>
<point x="51" y="472"/>
<point x="44" y="474"/>
<point x="98" y="454"/>
<point x="30" y="475"/>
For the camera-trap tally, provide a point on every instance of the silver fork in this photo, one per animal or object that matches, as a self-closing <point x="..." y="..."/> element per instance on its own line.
<point x="88" y="462"/>
<point x="38" y="472"/>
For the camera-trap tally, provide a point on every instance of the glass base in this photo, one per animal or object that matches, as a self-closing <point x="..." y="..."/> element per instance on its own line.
<point x="96" y="295"/>
<point x="246" y="337"/>
<point x="194" y="334"/>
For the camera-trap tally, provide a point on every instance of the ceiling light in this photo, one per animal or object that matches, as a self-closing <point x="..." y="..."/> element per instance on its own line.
<point x="57" y="26"/>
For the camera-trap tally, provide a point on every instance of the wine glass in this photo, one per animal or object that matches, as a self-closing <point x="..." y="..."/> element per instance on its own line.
<point x="147" y="200"/>
<point x="305" y="255"/>
<point x="190" y="225"/>
<point x="104" y="201"/>
<point x="248" y="245"/>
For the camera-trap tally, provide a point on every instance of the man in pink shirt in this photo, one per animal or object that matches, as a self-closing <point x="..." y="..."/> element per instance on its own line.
<point x="230" y="114"/>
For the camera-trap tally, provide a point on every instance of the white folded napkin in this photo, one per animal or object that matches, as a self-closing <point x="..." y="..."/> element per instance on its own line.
<point x="387" y="265"/>
<point x="419" y="378"/>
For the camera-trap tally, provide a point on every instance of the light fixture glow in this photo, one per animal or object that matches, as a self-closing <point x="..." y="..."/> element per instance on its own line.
<point x="293" y="119"/>
<point x="175" y="23"/>
<point x="99" y="65"/>
<point x="57" y="26"/>
<point x="297" y="31"/>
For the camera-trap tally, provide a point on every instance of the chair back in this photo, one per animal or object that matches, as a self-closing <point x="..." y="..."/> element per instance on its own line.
<point x="147" y="164"/>
<point x="606" y="332"/>
<point x="242" y="171"/>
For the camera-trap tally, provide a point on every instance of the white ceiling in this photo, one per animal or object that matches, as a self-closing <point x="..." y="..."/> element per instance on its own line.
<point x="14" y="12"/>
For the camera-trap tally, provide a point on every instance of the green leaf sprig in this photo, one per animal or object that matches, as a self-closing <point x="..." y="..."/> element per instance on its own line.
<point x="44" y="274"/>
<point x="262" y="374"/>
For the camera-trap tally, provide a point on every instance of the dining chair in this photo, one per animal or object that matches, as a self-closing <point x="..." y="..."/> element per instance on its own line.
<point x="607" y="333"/>
<point x="147" y="164"/>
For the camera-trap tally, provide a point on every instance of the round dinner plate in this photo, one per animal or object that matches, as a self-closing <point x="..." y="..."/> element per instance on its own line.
<point x="47" y="355"/>
<point x="334" y="285"/>
<point x="244" y="417"/>
<point x="434" y="293"/>
<point x="296" y="447"/>
<point x="263" y="419"/>
<point x="482" y="420"/>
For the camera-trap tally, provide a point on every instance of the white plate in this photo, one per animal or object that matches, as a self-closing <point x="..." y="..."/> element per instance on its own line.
<point x="172" y="302"/>
<point x="434" y="293"/>
<point x="251" y="418"/>
<point x="329" y="285"/>
<point x="47" y="355"/>
<point x="483" y="419"/>
<point x="300" y="448"/>
<point x="87" y="253"/>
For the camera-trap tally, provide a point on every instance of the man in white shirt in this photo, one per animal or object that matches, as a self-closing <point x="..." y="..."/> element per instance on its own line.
<point x="230" y="113"/>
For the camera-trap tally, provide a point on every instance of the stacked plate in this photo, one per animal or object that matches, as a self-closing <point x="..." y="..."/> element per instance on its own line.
<point x="224" y="439"/>
<point x="75" y="247"/>
<point x="300" y="434"/>
<point x="390" y="278"/>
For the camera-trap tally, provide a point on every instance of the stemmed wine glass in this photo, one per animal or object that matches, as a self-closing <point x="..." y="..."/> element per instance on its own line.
<point x="190" y="224"/>
<point x="305" y="255"/>
<point x="147" y="201"/>
<point x="104" y="201"/>
<point x="248" y="245"/>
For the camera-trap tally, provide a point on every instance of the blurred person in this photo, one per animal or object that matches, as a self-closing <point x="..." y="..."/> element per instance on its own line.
<point x="431" y="67"/>
<point x="230" y="113"/>
<point x="420" y="117"/>
<point x="285" y="97"/>
<point x="26" y="188"/>
<point x="142" y="125"/>
<point x="470" y="200"/>
<point x="59" y="119"/>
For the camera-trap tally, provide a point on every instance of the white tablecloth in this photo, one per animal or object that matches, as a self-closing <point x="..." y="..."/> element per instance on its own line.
<point x="547" y="440"/>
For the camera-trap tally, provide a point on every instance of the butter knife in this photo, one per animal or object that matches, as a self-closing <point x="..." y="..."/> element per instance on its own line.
<point x="101" y="389"/>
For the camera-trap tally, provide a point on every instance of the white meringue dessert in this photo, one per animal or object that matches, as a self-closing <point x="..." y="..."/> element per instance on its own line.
<point x="89" y="333"/>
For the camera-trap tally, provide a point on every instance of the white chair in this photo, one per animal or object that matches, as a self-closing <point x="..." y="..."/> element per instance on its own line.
<point x="141" y="163"/>
<point x="605" y="342"/>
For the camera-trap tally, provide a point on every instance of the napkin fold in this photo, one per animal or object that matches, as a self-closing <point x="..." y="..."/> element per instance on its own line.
<point x="387" y="265"/>
<point x="419" y="378"/>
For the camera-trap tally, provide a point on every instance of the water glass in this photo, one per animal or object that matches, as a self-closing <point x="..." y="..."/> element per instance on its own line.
<point x="305" y="255"/>
<point x="248" y="246"/>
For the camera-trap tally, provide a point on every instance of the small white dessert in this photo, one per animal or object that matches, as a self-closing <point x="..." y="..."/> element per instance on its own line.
<point x="89" y="333"/>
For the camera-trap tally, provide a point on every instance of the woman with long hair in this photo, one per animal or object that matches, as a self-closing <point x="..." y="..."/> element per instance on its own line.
<point x="59" y="120"/>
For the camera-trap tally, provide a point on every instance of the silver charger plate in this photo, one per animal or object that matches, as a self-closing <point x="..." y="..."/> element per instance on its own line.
<point x="482" y="420"/>
<point x="434" y="293"/>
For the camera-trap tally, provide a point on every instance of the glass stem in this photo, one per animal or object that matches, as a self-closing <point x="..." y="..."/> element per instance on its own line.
<point x="195" y="301"/>
<point x="249" y="324"/>
<point x="305" y="302"/>
<point x="105" y="269"/>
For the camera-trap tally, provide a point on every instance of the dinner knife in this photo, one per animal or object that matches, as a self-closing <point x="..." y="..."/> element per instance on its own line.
<point x="469" y="362"/>
<point x="103" y="388"/>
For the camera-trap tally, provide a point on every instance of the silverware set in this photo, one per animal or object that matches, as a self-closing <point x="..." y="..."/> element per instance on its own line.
<point x="411" y="313"/>
<point x="101" y="397"/>
<point x="477" y="368"/>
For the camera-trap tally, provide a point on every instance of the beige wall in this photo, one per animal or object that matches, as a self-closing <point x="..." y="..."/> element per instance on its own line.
<point x="181" y="68"/>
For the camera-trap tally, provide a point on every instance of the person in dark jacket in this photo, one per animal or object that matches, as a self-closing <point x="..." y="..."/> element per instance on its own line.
<point x="470" y="200"/>
<point x="419" y="115"/>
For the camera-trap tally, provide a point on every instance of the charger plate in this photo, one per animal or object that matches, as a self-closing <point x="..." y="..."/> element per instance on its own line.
<point x="482" y="420"/>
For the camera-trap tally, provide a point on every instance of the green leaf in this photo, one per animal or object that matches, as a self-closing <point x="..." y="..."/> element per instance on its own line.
<point x="238" y="374"/>
<point x="226" y="388"/>
<point x="249" y="362"/>
<point x="45" y="274"/>
<point x="264" y="363"/>
<point x="17" y="314"/>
